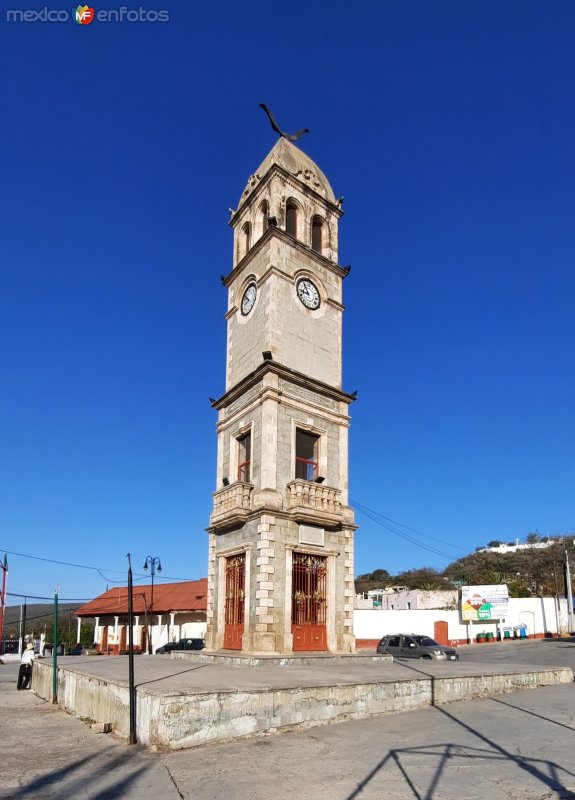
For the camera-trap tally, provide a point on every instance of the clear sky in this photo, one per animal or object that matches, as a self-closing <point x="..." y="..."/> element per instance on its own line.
<point x="449" y="127"/>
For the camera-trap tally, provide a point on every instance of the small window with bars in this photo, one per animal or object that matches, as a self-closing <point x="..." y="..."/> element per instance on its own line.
<point x="244" y="457"/>
<point x="306" y="455"/>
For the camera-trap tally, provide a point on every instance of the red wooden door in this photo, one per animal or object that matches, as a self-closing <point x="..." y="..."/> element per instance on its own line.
<point x="235" y="601"/>
<point x="440" y="632"/>
<point x="309" y="583"/>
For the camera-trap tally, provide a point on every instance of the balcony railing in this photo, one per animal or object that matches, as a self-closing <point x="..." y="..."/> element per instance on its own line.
<point x="313" y="501"/>
<point x="232" y="504"/>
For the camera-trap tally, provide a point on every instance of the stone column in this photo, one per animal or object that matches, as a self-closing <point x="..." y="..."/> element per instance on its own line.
<point x="264" y="635"/>
<point x="78" y="632"/>
<point x="159" y="633"/>
<point x="348" y="639"/>
<point x="287" y="646"/>
<point x="210" y="609"/>
<point x="332" y="604"/>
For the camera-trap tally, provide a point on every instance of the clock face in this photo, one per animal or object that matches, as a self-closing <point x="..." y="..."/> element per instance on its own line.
<point x="249" y="298"/>
<point x="308" y="293"/>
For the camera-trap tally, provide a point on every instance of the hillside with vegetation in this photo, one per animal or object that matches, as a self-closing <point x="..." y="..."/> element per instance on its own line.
<point x="40" y="619"/>
<point x="529" y="572"/>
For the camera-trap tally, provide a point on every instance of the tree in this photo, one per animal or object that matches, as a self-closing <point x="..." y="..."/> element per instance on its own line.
<point x="426" y="578"/>
<point x="378" y="579"/>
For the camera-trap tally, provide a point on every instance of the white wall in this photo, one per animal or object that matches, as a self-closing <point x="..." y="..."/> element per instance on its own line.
<point x="538" y="614"/>
<point x="411" y="599"/>
<point x="192" y="630"/>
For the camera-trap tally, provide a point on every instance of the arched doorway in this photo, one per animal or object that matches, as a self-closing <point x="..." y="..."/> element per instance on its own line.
<point x="235" y="601"/>
<point x="308" y="602"/>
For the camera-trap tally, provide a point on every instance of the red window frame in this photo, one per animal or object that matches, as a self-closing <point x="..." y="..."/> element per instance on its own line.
<point x="244" y="467"/>
<point x="306" y="468"/>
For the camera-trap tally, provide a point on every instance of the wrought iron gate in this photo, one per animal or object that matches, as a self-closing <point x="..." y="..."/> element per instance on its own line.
<point x="309" y="585"/>
<point x="235" y="596"/>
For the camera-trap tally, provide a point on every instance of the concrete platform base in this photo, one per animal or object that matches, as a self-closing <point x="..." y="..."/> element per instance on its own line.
<point x="182" y="704"/>
<point x="235" y="659"/>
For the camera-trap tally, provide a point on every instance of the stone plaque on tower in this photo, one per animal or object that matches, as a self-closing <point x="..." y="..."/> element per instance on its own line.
<point x="280" y="572"/>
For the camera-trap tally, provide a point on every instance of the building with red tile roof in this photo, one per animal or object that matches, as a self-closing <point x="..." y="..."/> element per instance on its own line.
<point x="176" y="611"/>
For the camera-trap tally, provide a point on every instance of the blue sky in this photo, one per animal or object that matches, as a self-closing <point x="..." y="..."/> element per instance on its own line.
<point x="450" y="130"/>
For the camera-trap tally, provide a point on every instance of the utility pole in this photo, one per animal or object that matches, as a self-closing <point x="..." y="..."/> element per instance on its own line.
<point x="20" y="639"/>
<point x="569" y="592"/>
<point x="4" y="582"/>
<point x="131" y="686"/>
<point x="24" y="622"/>
<point x="55" y="649"/>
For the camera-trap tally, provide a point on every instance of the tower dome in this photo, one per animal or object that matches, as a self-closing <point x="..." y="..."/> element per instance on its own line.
<point x="297" y="163"/>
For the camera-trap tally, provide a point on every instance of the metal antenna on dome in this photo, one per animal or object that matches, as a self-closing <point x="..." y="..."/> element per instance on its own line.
<point x="291" y="137"/>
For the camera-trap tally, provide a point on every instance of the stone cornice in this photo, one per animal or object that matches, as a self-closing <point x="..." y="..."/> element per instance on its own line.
<point x="289" y="400"/>
<point x="313" y="550"/>
<point x="338" y="270"/>
<point x="298" y="378"/>
<point x="235" y="550"/>
<point x="330" y="525"/>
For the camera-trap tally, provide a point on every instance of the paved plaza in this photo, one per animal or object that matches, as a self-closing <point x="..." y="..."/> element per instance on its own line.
<point x="510" y="747"/>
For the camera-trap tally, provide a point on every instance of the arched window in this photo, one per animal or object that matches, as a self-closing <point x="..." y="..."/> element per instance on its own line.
<point x="317" y="234"/>
<point x="246" y="231"/>
<point x="291" y="218"/>
<point x="263" y="215"/>
<point x="244" y="237"/>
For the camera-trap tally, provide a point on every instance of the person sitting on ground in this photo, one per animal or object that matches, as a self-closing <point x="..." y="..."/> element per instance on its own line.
<point x="25" y="671"/>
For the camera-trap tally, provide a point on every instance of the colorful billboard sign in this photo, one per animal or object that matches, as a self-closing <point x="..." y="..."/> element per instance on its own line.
<point x="484" y="602"/>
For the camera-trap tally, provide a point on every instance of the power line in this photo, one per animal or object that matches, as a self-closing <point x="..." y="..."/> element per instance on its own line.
<point x="60" y="599"/>
<point x="99" y="570"/>
<point x="407" y="528"/>
<point x="38" y="616"/>
<point x="381" y="520"/>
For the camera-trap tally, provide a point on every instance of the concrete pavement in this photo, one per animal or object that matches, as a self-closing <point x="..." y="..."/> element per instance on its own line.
<point x="47" y="755"/>
<point x="512" y="747"/>
<point x="518" y="747"/>
<point x="185" y="702"/>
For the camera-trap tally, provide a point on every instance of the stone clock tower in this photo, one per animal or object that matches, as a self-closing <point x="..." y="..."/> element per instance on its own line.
<point x="280" y="574"/>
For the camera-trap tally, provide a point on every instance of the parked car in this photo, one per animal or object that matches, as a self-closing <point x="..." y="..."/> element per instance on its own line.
<point x="78" y="650"/>
<point x="183" y="644"/>
<point x="413" y="645"/>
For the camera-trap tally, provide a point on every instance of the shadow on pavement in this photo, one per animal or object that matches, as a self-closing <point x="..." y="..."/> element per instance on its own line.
<point x="79" y="785"/>
<point x="547" y="772"/>
<point x="532" y="713"/>
<point x="171" y="675"/>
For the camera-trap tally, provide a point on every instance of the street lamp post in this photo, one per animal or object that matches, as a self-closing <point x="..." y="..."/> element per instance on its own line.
<point x="155" y="564"/>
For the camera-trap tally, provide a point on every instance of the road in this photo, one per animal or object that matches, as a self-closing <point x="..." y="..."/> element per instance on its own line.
<point x="511" y="747"/>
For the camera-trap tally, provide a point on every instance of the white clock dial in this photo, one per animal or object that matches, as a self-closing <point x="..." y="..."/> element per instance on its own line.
<point x="308" y="293"/>
<point x="249" y="299"/>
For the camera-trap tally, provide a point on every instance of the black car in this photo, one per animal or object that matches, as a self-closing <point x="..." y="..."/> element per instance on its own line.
<point x="78" y="650"/>
<point x="183" y="644"/>
<point x="414" y="645"/>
